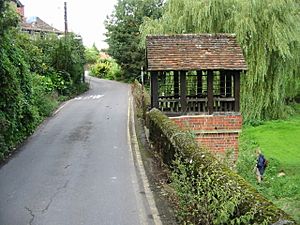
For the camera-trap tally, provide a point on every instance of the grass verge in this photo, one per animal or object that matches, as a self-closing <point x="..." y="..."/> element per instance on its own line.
<point x="279" y="141"/>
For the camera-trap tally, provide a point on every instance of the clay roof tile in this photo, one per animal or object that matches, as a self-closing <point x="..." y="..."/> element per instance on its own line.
<point x="194" y="52"/>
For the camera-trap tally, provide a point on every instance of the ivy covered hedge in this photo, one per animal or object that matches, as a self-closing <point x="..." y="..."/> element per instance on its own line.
<point x="207" y="191"/>
<point x="35" y="75"/>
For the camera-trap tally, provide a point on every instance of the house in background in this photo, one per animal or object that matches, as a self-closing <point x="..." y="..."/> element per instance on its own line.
<point x="34" y="25"/>
<point x="104" y="55"/>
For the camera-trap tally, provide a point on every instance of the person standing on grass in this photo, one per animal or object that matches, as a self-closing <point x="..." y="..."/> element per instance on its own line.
<point x="260" y="165"/>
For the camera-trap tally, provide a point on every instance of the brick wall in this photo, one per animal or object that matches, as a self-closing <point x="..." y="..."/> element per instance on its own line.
<point x="218" y="133"/>
<point x="21" y="11"/>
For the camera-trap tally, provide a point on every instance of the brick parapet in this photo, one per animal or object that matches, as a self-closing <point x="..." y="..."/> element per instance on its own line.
<point x="218" y="133"/>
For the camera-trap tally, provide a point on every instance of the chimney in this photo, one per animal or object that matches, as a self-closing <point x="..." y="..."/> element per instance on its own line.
<point x="20" y="8"/>
<point x="21" y="11"/>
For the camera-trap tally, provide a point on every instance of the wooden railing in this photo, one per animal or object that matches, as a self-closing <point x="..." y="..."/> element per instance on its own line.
<point x="223" y="104"/>
<point x="197" y="105"/>
<point x="169" y="104"/>
<point x="194" y="104"/>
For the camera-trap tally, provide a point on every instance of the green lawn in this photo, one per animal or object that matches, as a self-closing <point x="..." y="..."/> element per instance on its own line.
<point x="280" y="140"/>
<point x="280" y="143"/>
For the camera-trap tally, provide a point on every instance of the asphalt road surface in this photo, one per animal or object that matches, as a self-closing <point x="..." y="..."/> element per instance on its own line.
<point x="78" y="167"/>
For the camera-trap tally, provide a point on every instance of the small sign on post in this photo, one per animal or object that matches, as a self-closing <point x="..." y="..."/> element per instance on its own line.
<point x="142" y="75"/>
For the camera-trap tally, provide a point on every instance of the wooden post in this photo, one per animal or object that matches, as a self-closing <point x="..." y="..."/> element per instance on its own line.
<point x="66" y="18"/>
<point x="237" y="91"/>
<point x="154" y="89"/>
<point x="176" y="84"/>
<point x="210" y="91"/>
<point x="183" y="100"/>
<point x="222" y="83"/>
<point x="229" y="84"/>
<point x="199" y="83"/>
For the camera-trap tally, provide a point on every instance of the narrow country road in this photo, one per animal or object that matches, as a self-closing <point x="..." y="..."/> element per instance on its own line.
<point x="78" y="167"/>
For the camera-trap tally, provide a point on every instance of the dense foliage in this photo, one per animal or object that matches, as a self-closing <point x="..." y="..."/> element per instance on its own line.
<point x="123" y="36"/>
<point x="34" y="73"/>
<point x="8" y="17"/>
<point x="106" y="69"/>
<point x="269" y="34"/>
<point x="62" y="60"/>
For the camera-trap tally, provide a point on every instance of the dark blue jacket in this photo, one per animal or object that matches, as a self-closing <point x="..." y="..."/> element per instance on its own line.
<point x="261" y="163"/>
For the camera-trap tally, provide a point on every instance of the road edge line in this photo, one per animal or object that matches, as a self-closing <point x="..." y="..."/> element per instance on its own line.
<point x="145" y="181"/>
<point x="61" y="107"/>
<point x="134" y="173"/>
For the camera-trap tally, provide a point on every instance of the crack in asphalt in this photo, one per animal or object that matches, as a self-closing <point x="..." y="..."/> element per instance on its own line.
<point x="31" y="214"/>
<point x="67" y="166"/>
<point x="54" y="196"/>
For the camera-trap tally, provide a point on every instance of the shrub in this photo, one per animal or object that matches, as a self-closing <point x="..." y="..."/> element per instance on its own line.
<point x="43" y="91"/>
<point x="62" y="82"/>
<point x="106" y="69"/>
<point x="115" y="72"/>
<point x="204" y="199"/>
<point x="63" y="56"/>
<point x="100" y="69"/>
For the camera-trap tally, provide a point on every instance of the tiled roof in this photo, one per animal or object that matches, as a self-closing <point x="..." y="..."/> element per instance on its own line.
<point x="39" y="25"/>
<point x="19" y="4"/>
<point x="194" y="52"/>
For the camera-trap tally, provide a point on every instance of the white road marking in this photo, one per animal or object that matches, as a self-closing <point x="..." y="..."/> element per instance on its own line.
<point x="79" y="98"/>
<point x="113" y="179"/>
<point x="94" y="97"/>
<point x="60" y="108"/>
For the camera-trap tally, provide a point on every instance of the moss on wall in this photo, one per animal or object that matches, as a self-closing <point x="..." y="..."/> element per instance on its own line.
<point x="225" y="186"/>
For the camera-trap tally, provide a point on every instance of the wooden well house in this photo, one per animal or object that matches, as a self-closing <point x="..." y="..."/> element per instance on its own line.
<point x="195" y="79"/>
<point x="195" y="74"/>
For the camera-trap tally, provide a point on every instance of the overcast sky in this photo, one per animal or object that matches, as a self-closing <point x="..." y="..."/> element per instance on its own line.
<point x="85" y="17"/>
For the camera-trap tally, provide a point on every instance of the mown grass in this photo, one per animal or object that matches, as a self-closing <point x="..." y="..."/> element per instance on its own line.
<point x="280" y="143"/>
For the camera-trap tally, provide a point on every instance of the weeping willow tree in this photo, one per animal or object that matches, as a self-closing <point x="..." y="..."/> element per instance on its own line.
<point x="269" y="34"/>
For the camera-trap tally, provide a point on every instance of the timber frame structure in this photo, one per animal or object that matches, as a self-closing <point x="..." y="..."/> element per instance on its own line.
<point x="194" y="74"/>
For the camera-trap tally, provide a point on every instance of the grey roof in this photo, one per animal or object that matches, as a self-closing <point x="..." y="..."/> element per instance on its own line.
<point x="19" y="3"/>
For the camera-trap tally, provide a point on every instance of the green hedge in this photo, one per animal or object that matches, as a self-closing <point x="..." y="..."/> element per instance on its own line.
<point x="207" y="191"/>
